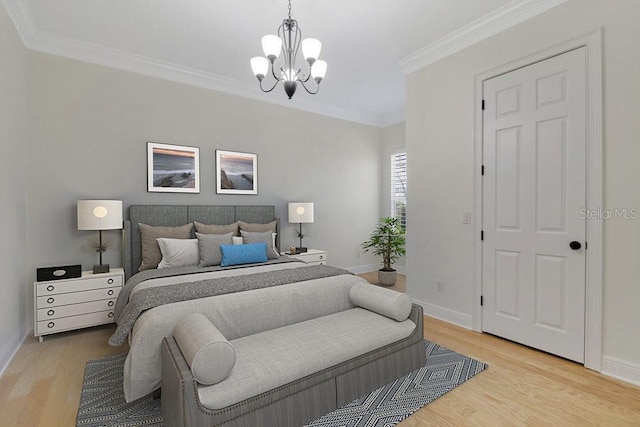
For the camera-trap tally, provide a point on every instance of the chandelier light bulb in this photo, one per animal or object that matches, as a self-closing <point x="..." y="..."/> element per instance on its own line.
<point x="271" y="45"/>
<point x="318" y="70"/>
<point x="260" y="66"/>
<point x="311" y="50"/>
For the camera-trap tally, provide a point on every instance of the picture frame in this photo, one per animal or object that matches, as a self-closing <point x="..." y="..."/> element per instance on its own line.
<point x="236" y="172"/>
<point x="173" y="168"/>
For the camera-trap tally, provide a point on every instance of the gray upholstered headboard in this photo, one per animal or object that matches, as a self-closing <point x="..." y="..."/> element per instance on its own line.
<point x="175" y="215"/>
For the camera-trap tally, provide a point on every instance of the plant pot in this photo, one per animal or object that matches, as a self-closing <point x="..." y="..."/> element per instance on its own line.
<point x="387" y="278"/>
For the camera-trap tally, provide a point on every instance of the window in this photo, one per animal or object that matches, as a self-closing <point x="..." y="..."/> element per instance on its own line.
<point x="399" y="187"/>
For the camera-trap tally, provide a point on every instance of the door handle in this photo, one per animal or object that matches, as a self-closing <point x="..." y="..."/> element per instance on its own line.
<point x="575" y="245"/>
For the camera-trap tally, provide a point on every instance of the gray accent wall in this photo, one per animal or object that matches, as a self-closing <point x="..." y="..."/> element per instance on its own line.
<point x="88" y="130"/>
<point x="14" y="302"/>
<point x="440" y="128"/>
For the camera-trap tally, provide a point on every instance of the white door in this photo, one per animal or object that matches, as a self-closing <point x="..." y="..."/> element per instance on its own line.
<point x="534" y="188"/>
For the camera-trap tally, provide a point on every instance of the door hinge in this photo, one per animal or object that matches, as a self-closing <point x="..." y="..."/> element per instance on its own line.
<point x="481" y="234"/>
<point x="482" y="170"/>
<point x="483" y="104"/>
<point x="481" y="300"/>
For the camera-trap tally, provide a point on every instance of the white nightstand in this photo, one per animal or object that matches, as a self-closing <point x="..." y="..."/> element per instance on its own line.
<point x="312" y="256"/>
<point x="64" y="305"/>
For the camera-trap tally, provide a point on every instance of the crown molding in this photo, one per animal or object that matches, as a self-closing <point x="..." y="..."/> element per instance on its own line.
<point x="393" y="118"/>
<point x="499" y="20"/>
<point x="54" y="44"/>
<point x="20" y="15"/>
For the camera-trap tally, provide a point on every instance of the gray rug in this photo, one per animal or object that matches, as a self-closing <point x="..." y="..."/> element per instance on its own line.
<point x="102" y="401"/>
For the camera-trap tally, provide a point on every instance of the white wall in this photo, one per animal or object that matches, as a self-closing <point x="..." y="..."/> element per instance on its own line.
<point x="440" y="117"/>
<point x="13" y="136"/>
<point x="393" y="141"/>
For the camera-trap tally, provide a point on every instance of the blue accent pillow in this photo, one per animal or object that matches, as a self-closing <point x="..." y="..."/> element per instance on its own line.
<point x="243" y="254"/>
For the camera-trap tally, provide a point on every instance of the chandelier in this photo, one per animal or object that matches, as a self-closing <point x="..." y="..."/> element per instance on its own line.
<point x="288" y="42"/>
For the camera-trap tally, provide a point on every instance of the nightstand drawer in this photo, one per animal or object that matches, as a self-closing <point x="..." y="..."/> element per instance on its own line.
<point x="74" y="322"/>
<point x="64" y="286"/>
<point x="75" y="309"/>
<point x="313" y="258"/>
<point x="77" y="297"/>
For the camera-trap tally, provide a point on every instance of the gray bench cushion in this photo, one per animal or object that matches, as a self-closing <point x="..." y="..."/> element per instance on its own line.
<point x="270" y="359"/>
<point x="208" y="353"/>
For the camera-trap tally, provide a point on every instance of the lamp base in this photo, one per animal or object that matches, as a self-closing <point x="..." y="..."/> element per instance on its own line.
<point x="301" y="250"/>
<point x="102" y="268"/>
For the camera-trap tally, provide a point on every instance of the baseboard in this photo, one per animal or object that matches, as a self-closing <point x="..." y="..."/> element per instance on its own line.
<point x="373" y="267"/>
<point x="451" y="316"/>
<point x="10" y="349"/>
<point x="621" y="369"/>
<point x="363" y="268"/>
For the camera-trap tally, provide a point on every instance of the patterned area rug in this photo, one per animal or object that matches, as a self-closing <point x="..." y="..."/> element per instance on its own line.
<point x="102" y="402"/>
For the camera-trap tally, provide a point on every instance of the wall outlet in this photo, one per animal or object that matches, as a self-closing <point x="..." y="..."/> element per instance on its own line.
<point x="466" y="217"/>
<point x="439" y="286"/>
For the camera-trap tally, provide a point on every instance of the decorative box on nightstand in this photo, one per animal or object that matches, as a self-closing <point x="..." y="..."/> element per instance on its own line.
<point x="312" y="256"/>
<point x="64" y="305"/>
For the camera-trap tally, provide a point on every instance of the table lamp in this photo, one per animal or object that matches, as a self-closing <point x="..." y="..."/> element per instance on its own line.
<point x="300" y="213"/>
<point x="100" y="215"/>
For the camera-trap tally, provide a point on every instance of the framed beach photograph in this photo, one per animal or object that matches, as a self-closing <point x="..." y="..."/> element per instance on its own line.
<point x="173" y="168"/>
<point x="236" y="173"/>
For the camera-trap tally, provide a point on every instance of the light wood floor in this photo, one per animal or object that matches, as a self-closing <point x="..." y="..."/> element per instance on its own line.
<point x="521" y="387"/>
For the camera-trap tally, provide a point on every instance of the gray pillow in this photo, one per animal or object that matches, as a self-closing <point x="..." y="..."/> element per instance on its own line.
<point x="209" y="246"/>
<point x="151" y="255"/>
<point x="209" y="355"/>
<point x="216" y="229"/>
<point x="257" y="228"/>
<point x="266" y="237"/>
<point x="387" y="302"/>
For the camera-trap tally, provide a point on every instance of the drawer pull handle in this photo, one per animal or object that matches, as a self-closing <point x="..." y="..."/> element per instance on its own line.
<point x="321" y="256"/>
<point x="110" y="314"/>
<point x="50" y="313"/>
<point x="50" y="288"/>
<point x="110" y="281"/>
<point x="50" y="300"/>
<point x="110" y="303"/>
<point x="110" y="292"/>
<point x="50" y="325"/>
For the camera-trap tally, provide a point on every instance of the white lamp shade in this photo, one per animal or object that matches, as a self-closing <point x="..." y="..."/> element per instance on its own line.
<point x="300" y="213"/>
<point x="99" y="214"/>
<point x="259" y="66"/>
<point x="311" y="49"/>
<point x="271" y="45"/>
<point x="318" y="70"/>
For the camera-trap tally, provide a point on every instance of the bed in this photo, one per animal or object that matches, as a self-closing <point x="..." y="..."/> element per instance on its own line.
<point x="153" y="301"/>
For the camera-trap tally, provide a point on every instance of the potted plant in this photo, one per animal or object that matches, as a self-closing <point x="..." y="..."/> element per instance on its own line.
<point x="387" y="240"/>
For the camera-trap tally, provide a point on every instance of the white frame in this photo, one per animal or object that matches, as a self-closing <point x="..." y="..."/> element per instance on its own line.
<point x="254" y="160"/>
<point x="594" y="256"/>
<point x="196" y="154"/>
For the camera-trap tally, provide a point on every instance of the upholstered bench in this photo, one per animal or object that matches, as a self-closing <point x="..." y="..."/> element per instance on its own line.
<point x="292" y="374"/>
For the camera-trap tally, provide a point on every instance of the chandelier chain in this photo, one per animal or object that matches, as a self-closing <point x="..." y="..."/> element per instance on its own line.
<point x="289" y="10"/>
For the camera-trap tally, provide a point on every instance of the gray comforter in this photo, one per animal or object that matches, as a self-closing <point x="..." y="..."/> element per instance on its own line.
<point x="146" y="299"/>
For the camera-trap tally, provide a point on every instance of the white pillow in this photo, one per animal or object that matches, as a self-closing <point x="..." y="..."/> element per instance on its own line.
<point x="178" y="252"/>
<point x="240" y="241"/>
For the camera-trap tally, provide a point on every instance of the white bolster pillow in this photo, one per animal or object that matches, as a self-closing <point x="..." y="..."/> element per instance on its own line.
<point x="387" y="302"/>
<point x="208" y="353"/>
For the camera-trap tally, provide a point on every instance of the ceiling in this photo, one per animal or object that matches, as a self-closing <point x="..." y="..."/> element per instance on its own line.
<point x="369" y="45"/>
